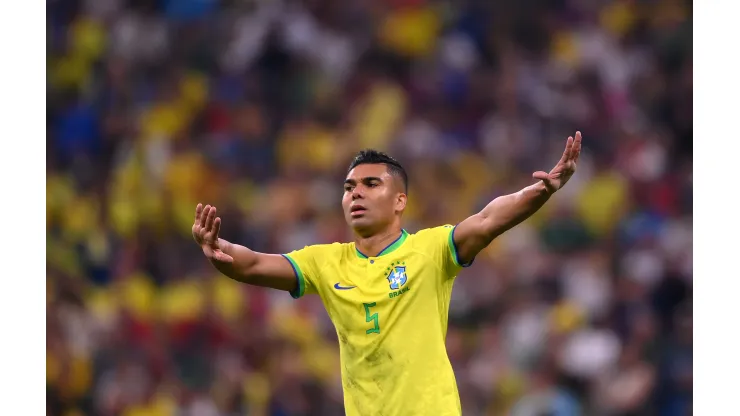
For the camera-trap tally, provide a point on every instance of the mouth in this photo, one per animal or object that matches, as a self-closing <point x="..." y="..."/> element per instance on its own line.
<point x="357" y="211"/>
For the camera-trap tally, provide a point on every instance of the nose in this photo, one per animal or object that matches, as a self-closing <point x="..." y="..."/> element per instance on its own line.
<point x="357" y="193"/>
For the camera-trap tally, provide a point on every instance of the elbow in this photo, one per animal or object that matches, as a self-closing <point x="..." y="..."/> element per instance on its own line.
<point x="484" y="230"/>
<point x="490" y="230"/>
<point x="489" y="224"/>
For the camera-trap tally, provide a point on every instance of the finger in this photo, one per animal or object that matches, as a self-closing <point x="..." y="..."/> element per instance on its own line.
<point x="204" y="216"/>
<point x="209" y="220"/>
<point x="544" y="176"/>
<point x="216" y="227"/>
<point x="568" y="149"/>
<point x="198" y="211"/>
<point x="573" y="148"/>
<point x="579" y="140"/>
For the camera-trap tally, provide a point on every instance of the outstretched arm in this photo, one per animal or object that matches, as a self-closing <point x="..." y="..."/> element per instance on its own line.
<point x="476" y="232"/>
<point x="239" y="262"/>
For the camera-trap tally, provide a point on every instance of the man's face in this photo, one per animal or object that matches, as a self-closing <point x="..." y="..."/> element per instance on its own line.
<point x="372" y="198"/>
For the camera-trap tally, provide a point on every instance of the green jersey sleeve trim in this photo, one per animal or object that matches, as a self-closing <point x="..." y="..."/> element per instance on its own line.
<point x="300" y="281"/>
<point x="453" y="250"/>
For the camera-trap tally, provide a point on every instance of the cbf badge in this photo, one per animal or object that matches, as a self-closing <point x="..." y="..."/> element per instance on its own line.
<point x="397" y="277"/>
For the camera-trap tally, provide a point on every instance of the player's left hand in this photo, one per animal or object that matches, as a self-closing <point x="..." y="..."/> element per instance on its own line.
<point x="565" y="168"/>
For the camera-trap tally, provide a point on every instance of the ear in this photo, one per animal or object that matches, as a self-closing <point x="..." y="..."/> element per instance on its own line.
<point x="401" y="200"/>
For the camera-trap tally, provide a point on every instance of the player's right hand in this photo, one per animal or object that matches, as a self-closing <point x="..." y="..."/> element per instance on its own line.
<point x="205" y="233"/>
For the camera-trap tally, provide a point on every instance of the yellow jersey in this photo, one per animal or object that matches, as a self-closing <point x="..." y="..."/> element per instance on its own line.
<point x="390" y="313"/>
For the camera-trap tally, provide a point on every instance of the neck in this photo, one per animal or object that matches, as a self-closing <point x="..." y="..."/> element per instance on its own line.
<point x="372" y="246"/>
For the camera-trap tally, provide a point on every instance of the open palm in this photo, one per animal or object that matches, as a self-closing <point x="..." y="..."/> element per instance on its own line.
<point x="205" y="232"/>
<point x="565" y="168"/>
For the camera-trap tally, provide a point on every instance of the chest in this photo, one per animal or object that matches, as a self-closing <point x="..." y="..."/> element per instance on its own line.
<point x="372" y="295"/>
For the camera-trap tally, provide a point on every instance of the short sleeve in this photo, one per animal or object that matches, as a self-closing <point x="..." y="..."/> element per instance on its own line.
<point x="440" y="241"/>
<point x="304" y="262"/>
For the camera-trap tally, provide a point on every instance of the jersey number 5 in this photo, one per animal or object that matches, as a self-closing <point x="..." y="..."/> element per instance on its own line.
<point x="371" y="318"/>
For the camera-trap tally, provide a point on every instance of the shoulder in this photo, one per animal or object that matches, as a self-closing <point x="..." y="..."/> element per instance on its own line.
<point x="327" y="248"/>
<point x="334" y="250"/>
<point x="439" y="242"/>
<point x="440" y="228"/>
<point x="432" y="235"/>
<point x="321" y="254"/>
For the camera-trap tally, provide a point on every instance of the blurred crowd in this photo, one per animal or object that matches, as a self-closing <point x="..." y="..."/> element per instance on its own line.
<point x="257" y="106"/>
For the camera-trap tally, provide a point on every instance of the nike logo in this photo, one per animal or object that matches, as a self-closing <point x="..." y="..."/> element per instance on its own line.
<point x="336" y="286"/>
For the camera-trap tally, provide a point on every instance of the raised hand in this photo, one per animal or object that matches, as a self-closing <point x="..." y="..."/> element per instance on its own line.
<point x="565" y="168"/>
<point x="205" y="233"/>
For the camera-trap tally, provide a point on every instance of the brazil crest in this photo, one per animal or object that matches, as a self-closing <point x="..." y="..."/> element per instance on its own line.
<point x="397" y="277"/>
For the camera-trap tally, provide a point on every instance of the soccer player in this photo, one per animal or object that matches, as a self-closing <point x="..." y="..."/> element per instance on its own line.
<point x="388" y="291"/>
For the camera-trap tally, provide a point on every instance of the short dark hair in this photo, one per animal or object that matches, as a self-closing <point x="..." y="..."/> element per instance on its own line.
<point x="375" y="157"/>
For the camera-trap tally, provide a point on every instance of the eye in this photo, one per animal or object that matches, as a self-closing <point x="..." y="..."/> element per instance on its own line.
<point x="372" y="184"/>
<point x="348" y="188"/>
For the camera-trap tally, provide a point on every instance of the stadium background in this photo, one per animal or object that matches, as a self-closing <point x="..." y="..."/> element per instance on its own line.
<point x="258" y="106"/>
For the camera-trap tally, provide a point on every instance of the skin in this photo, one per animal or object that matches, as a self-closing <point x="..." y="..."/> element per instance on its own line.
<point x="381" y="195"/>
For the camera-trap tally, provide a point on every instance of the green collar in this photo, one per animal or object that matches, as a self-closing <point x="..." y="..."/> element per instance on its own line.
<point x="391" y="247"/>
